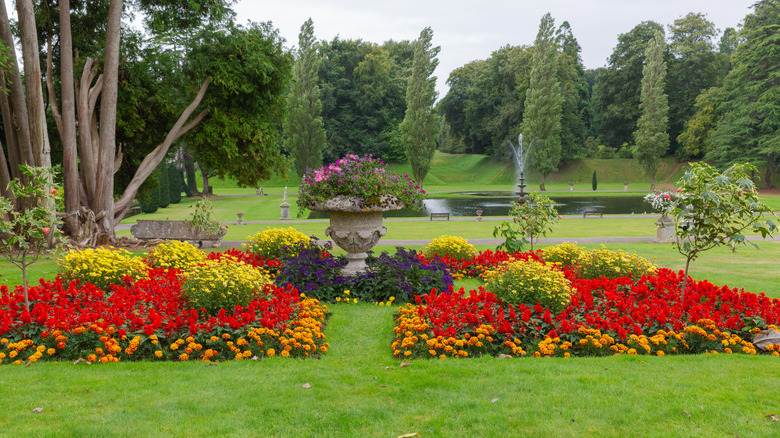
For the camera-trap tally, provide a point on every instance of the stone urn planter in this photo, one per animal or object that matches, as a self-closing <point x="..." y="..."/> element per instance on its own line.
<point x="355" y="229"/>
<point x="664" y="230"/>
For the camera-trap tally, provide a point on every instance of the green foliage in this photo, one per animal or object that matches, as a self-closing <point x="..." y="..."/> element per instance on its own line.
<point x="749" y="124"/>
<point x="453" y="246"/>
<point x="363" y="88"/>
<point x="530" y="282"/>
<point x="617" y="89"/>
<point x="694" y="139"/>
<point x="164" y="194"/>
<point x="695" y="67"/>
<point x="514" y="239"/>
<point x="418" y="128"/>
<point x="101" y="267"/>
<point x="176" y="180"/>
<point x="222" y="284"/>
<point x="716" y="209"/>
<point x="652" y="138"/>
<point x="277" y="243"/>
<point x="304" y="128"/>
<point x="202" y="217"/>
<point x="245" y="102"/>
<point x="594" y="182"/>
<point x="175" y="254"/>
<point x="542" y="116"/>
<point x="534" y="218"/>
<point x="149" y="194"/>
<point x="30" y="228"/>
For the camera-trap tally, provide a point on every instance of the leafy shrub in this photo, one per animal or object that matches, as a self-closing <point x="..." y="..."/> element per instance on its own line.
<point x="175" y="254"/>
<point x="222" y="284"/>
<point x="402" y="275"/>
<point x="612" y="264"/>
<point x="453" y="246"/>
<point x="101" y="267"/>
<point x="530" y="282"/>
<point x="277" y="242"/>
<point x="564" y="254"/>
<point x="315" y="273"/>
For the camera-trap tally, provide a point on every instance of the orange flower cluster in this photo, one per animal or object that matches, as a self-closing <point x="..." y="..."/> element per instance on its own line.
<point x="415" y="338"/>
<point x="302" y="337"/>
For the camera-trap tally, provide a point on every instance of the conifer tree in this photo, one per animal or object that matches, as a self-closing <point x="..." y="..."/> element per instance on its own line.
<point x="304" y="127"/>
<point x="419" y="128"/>
<point x="543" y="103"/>
<point x="652" y="138"/>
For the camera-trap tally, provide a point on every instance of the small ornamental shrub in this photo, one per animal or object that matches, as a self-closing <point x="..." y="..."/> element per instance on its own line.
<point x="400" y="277"/>
<point x="452" y="246"/>
<point x="222" y="284"/>
<point x="315" y="273"/>
<point x="101" y="267"/>
<point x="530" y="282"/>
<point x="175" y="254"/>
<point x="276" y="242"/>
<point x="612" y="264"/>
<point x="564" y="254"/>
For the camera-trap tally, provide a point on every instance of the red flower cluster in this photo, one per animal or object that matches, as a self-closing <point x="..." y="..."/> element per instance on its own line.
<point x="271" y="265"/>
<point x="604" y="316"/>
<point x="483" y="261"/>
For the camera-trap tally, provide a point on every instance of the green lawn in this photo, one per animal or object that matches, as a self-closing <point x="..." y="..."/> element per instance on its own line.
<point x="358" y="389"/>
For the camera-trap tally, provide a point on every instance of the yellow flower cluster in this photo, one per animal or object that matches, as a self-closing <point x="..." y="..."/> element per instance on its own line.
<point x="303" y="338"/>
<point x="453" y="246"/>
<point x="347" y="298"/>
<point x="175" y="254"/>
<point x="611" y="264"/>
<point x="414" y="337"/>
<point x="101" y="267"/>
<point x="529" y="282"/>
<point x="564" y="254"/>
<point x="275" y="242"/>
<point x="222" y="284"/>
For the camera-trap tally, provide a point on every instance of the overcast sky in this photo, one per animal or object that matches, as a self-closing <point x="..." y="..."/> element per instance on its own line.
<point x="468" y="30"/>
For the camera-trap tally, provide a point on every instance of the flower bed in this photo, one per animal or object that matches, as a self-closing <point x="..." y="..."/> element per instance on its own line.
<point x="148" y="320"/>
<point x="605" y="317"/>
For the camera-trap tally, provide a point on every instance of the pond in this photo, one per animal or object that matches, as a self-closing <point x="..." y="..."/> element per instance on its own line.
<point x="499" y="206"/>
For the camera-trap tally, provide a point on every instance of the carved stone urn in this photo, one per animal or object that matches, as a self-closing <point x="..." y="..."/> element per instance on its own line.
<point x="664" y="229"/>
<point x="354" y="228"/>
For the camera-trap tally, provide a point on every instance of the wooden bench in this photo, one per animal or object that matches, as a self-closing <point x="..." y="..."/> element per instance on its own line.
<point x="599" y="213"/>
<point x="441" y="215"/>
<point x="145" y="229"/>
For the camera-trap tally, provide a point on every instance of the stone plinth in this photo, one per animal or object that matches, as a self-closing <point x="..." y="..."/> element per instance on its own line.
<point x="664" y="230"/>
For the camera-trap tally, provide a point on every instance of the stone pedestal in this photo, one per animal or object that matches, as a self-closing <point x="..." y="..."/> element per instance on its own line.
<point x="355" y="228"/>
<point x="664" y="230"/>
<point x="285" y="206"/>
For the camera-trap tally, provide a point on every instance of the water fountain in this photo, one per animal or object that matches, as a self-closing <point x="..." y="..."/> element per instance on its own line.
<point x="520" y="160"/>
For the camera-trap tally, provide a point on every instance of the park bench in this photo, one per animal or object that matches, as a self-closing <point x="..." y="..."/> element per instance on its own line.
<point x="440" y="215"/>
<point x="145" y="229"/>
<point x="593" y="212"/>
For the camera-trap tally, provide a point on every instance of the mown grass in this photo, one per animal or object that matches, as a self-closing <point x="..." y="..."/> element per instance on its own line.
<point x="358" y="389"/>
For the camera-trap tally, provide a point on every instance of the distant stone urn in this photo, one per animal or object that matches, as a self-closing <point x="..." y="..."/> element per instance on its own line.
<point x="355" y="228"/>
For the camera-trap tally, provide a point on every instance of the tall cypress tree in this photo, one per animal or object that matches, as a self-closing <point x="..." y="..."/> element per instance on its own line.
<point x="418" y="130"/>
<point x="543" y="103"/>
<point x="652" y="138"/>
<point x="304" y="127"/>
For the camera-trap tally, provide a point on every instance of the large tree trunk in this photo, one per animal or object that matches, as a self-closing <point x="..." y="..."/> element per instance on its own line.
<point x="39" y="136"/>
<point x="770" y="169"/>
<point x="70" y="171"/>
<point x="189" y="170"/>
<point x="15" y="117"/>
<point x="103" y="202"/>
<point x="204" y="175"/>
<point x="88" y="143"/>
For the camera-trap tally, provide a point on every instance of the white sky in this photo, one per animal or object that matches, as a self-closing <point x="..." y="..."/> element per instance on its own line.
<point x="468" y="30"/>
